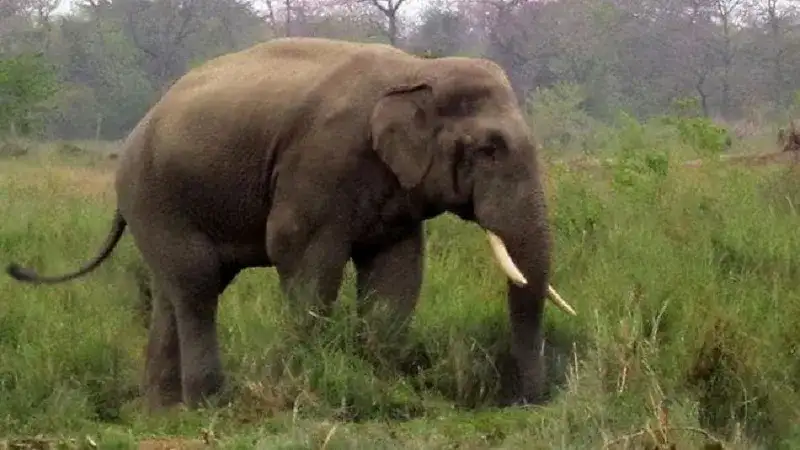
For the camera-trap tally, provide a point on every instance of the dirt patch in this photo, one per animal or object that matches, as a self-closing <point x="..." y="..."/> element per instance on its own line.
<point x="757" y="160"/>
<point x="172" y="444"/>
<point x="43" y="443"/>
<point x="750" y="160"/>
<point x="583" y="163"/>
<point x="768" y="158"/>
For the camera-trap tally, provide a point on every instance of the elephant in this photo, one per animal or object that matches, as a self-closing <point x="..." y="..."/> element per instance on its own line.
<point x="303" y="154"/>
<point x="789" y="140"/>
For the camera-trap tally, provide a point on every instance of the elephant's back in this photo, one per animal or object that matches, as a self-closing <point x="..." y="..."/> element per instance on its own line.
<point x="276" y="75"/>
<point x="294" y="62"/>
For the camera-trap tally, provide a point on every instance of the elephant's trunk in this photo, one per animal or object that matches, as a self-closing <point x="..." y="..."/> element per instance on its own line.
<point x="515" y="275"/>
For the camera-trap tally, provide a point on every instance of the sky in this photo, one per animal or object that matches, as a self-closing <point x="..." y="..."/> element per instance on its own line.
<point x="411" y="8"/>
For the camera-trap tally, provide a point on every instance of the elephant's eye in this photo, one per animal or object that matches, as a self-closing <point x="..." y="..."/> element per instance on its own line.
<point x="494" y="144"/>
<point x="488" y="149"/>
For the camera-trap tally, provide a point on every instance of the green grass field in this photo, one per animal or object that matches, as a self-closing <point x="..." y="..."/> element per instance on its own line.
<point x="685" y="281"/>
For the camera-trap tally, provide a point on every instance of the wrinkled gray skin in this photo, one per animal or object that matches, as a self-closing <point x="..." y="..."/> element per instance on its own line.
<point x="304" y="153"/>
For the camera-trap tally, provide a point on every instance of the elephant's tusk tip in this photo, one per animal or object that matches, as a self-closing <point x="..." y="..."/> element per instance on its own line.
<point x="519" y="282"/>
<point x="560" y="302"/>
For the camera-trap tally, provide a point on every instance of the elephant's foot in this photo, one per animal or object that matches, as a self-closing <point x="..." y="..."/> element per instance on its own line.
<point x="529" y="392"/>
<point x="524" y="401"/>
<point x="205" y="389"/>
<point x="162" y="387"/>
<point x="522" y="384"/>
<point x="208" y="392"/>
<point x="518" y="396"/>
<point x="159" y="401"/>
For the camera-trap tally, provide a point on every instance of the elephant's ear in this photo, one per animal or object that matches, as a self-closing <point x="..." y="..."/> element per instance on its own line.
<point x="401" y="131"/>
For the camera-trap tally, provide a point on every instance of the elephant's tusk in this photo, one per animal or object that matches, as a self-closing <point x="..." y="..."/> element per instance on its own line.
<point x="560" y="302"/>
<point x="516" y="276"/>
<point x="506" y="263"/>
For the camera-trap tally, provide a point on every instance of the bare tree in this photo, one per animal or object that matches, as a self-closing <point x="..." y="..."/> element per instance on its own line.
<point x="389" y="11"/>
<point x="774" y="15"/>
<point x="727" y="11"/>
<point x="160" y="29"/>
<point x="287" y="17"/>
<point x="16" y="14"/>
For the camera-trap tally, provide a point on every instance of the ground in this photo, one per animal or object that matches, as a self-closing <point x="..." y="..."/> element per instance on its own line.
<point x="684" y="277"/>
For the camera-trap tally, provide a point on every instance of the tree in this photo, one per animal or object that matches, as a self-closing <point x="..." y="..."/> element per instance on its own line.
<point x="442" y="32"/>
<point x="26" y="81"/>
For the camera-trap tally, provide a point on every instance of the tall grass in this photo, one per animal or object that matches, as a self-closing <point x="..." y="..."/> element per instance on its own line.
<point x="685" y="281"/>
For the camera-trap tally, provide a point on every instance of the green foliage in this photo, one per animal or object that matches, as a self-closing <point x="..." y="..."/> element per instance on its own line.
<point x="642" y="156"/>
<point x="562" y="127"/>
<point x="697" y="131"/>
<point x="26" y="81"/>
<point x="634" y="170"/>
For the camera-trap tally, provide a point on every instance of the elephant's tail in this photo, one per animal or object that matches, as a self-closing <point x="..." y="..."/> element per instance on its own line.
<point x="30" y="276"/>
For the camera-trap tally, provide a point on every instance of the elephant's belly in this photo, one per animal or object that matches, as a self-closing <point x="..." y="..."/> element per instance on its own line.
<point x="244" y="254"/>
<point x="237" y="230"/>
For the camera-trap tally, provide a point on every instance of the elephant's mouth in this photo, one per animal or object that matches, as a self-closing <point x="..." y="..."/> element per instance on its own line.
<point x="466" y="212"/>
<point x="515" y="275"/>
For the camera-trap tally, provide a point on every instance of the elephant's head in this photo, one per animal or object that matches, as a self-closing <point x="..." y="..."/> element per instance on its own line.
<point x="453" y="130"/>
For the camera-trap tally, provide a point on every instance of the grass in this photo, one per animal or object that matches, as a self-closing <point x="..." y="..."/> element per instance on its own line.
<point x="685" y="281"/>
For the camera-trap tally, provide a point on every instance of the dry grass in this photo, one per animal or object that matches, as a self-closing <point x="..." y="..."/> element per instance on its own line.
<point x="75" y="182"/>
<point x="592" y="164"/>
<point x="173" y="444"/>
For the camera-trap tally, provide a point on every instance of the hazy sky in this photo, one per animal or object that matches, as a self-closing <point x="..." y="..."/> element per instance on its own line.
<point x="410" y="8"/>
<point x="64" y="7"/>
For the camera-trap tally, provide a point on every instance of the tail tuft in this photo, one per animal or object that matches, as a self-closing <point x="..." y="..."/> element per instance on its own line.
<point x="20" y="273"/>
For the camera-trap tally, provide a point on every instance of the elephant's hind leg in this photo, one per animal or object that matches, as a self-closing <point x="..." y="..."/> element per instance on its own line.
<point x="201" y="367"/>
<point x="189" y="278"/>
<point x="162" y="379"/>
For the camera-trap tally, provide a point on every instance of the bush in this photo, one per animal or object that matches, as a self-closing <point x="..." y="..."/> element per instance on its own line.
<point x="561" y="125"/>
<point x="700" y="133"/>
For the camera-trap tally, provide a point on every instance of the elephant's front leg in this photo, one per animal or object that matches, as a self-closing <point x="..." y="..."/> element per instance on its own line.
<point x="310" y="267"/>
<point x="391" y="276"/>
